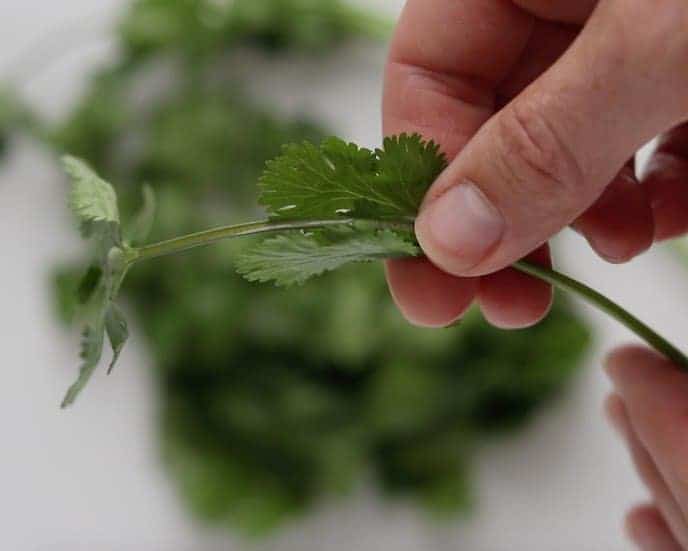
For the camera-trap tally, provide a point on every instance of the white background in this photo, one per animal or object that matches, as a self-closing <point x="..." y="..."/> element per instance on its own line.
<point x="89" y="478"/>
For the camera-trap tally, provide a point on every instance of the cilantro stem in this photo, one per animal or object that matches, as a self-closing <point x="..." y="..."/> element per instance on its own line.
<point x="208" y="237"/>
<point x="550" y="276"/>
<point x="608" y="306"/>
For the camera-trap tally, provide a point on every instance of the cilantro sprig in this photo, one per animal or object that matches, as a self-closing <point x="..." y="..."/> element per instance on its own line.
<point x="328" y="205"/>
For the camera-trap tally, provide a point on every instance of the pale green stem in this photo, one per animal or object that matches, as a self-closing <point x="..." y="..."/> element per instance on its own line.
<point x="550" y="276"/>
<point x="208" y="237"/>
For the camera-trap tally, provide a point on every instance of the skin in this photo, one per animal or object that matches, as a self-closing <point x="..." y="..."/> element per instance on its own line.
<point x="541" y="106"/>
<point x="648" y="408"/>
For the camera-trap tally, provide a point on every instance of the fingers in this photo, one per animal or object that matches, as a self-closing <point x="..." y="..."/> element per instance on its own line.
<point x="620" y="225"/>
<point x="655" y="395"/>
<point x="427" y="296"/>
<point x="445" y="89"/>
<point x="666" y="182"/>
<point x="545" y="158"/>
<point x="510" y="299"/>
<point x="645" y="466"/>
<point x="649" y="531"/>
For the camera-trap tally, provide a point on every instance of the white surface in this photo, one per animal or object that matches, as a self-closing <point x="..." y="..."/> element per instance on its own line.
<point x="89" y="478"/>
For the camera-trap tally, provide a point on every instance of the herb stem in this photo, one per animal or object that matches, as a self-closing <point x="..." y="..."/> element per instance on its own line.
<point x="559" y="280"/>
<point x="608" y="306"/>
<point x="208" y="237"/>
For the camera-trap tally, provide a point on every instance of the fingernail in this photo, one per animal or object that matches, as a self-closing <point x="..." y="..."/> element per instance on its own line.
<point x="464" y="223"/>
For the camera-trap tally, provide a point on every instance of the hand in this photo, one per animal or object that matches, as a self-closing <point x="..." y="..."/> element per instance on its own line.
<point x="540" y="104"/>
<point x="650" y="410"/>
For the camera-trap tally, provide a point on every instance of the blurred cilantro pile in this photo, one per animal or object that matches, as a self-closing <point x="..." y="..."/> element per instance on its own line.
<point x="272" y="399"/>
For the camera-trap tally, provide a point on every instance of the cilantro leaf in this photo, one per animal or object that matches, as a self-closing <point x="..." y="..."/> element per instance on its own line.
<point x="406" y="167"/>
<point x="100" y="316"/>
<point x="117" y="331"/>
<point x="89" y="283"/>
<point x="317" y="182"/>
<point x="92" y="340"/>
<point x="291" y="259"/>
<point x="335" y="178"/>
<point x="94" y="202"/>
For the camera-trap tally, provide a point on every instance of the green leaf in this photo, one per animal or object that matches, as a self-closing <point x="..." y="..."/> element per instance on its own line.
<point x="89" y="283"/>
<point x="93" y="201"/>
<point x="407" y="166"/>
<point x="117" y="331"/>
<point x="101" y="316"/>
<point x="317" y="182"/>
<point x="140" y="227"/>
<point x="92" y="339"/>
<point x="291" y="259"/>
<point x="336" y="178"/>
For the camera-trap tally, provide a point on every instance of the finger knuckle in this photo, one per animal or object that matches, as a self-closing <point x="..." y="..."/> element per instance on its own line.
<point x="533" y="155"/>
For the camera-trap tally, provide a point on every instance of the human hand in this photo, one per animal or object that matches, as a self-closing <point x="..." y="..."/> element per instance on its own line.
<point x="540" y="104"/>
<point x="649" y="408"/>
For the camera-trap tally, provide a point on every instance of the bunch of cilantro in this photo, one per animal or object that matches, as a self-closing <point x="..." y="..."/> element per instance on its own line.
<point x="272" y="399"/>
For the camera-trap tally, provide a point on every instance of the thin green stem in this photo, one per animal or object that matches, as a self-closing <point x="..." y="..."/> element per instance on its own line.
<point x="606" y="305"/>
<point x="552" y="277"/>
<point x="208" y="237"/>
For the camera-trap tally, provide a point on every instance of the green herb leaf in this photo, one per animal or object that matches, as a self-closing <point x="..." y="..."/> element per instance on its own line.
<point x="336" y="178"/>
<point x="94" y="202"/>
<point x="292" y="259"/>
<point x="317" y="182"/>
<point x="89" y="283"/>
<point x="100" y="315"/>
<point x="406" y="167"/>
<point x="92" y="340"/>
<point x="117" y="331"/>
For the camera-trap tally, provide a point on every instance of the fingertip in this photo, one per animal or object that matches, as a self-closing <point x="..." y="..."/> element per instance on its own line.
<point x="666" y="182"/>
<point x="627" y="360"/>
<point x="647" y="528"/>
<point x="510" y="299"/>
<point x="459" y="226"/>
<point x="637" y="519"/>
<point x="620" y="225"/>
<point x="425" y="295"/>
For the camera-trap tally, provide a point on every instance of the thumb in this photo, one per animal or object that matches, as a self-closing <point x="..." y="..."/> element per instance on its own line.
<point x="547" y="156"/>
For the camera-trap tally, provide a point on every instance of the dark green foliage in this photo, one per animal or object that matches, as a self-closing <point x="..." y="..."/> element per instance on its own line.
<point x="269" y="398"/>
<point x="200" y="29"/>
